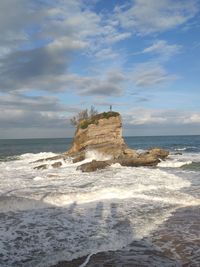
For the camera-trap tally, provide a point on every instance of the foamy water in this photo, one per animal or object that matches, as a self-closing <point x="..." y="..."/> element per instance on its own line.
<point x="54" y="214"/>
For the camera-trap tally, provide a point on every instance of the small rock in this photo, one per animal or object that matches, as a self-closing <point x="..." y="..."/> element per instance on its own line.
<point x="79" y="158"/>
<point x="41" y="167"/>
<point x="50" y="158"/>
<point x="56" y="164"/>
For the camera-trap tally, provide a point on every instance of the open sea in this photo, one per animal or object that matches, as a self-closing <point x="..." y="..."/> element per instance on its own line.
<point x="120" y="216"/>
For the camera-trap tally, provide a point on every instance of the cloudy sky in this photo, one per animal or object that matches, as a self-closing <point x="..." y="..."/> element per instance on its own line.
<point x="58" y="57"/>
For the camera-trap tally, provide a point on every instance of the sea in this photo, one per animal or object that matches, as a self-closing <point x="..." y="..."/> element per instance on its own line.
<point x="119" y="216"/>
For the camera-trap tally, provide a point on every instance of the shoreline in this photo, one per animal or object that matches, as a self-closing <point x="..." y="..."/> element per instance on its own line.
<point x="174" y="243"/>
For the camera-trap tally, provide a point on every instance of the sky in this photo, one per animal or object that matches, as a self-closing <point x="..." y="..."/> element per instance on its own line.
<point x="58" y="57"/>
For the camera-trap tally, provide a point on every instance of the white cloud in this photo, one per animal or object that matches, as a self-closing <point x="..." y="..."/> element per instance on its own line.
<point x="150" y="74"/>
<point x="62" y="28"/>
<point x="23" y="111"/>
<point x="106" y="54"/>
<point x="145" y="17"/>
<point x="162" y="117"/>
<point x="192" y="118"/>
<point x="163" y="49"/>
<point x="116" y="37"/>
<point x="66" y="43"/>
<point x="110" y="84"/>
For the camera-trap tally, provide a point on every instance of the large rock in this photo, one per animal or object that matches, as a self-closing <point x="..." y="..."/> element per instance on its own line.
<point x="143" y="160"/>
<point x="103" y="134"/>
<point x="93" y="166"/>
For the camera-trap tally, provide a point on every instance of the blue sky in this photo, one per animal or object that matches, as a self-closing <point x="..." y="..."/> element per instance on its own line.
<point x="59" y="57"/>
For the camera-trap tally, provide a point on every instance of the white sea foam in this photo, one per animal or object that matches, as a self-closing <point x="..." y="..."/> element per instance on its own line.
<point x="95" y="155"/>
<point x="36" y="156"/>
<point x="177" y="161"/>
<point x="78" y="213"/>
<point x="173" y="163"/>
<point x="181" y="149"/>
<point x="86" y="261"/>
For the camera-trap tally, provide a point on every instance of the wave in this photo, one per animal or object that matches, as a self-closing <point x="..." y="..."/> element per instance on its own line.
<point x="95" y="155"/>
<point x="187" y="149"/>
<point x="107" y="194"/>
<point x="12" y="203"/>
<point x="80" y="213"/>
<point x="36" y="156"/>
<point x="193" y="166"/>
<point x="173" y="164"/>
<point x="177" y="161"/>
<point x="9" y="158"/>
<point x="181" y="149"/>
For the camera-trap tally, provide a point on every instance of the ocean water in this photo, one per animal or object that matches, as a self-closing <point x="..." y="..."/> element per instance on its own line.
<point x="52" y="215"/>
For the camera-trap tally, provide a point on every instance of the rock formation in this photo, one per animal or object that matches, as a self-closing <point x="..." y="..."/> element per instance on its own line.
<point x="103" y="134"/>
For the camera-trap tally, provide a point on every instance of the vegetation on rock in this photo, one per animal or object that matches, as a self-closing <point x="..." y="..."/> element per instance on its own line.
<point x="95" y="119"/>
<point x="83" y="115"/>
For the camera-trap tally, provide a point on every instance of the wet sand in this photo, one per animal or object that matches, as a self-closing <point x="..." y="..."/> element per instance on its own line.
<point x="175" y="243"/>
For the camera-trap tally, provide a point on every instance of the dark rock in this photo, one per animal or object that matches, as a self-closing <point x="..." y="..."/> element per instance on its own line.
<point x="79" y="158"/>
<point x="142" y="160"/>
<point x="178" y="153"/>
<point x="93" y="166"/>
<point x="41" y="167"/>
<point x="50" y="158"/>
<point x="56" y="164"/>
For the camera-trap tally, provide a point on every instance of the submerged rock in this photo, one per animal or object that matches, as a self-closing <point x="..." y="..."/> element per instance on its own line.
<point x="45" y="166"/>
<point x="56" y="164"/>
<point x="79" y="158"/>
<point x="41" y="167"/>
<point x="49" y="158"/>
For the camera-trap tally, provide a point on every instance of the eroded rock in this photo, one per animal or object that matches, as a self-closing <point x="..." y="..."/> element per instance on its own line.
<point x="103" y="135"/>
<point x="139" y="161"/>
<point x="159" y="153"/>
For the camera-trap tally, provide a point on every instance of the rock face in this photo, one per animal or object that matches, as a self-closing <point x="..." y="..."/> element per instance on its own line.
<point x="103" y="133"/>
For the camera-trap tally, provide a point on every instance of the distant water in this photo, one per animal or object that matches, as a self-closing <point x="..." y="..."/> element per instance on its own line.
<point x="14" y="147"/>
<point x="62" y="214"/>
